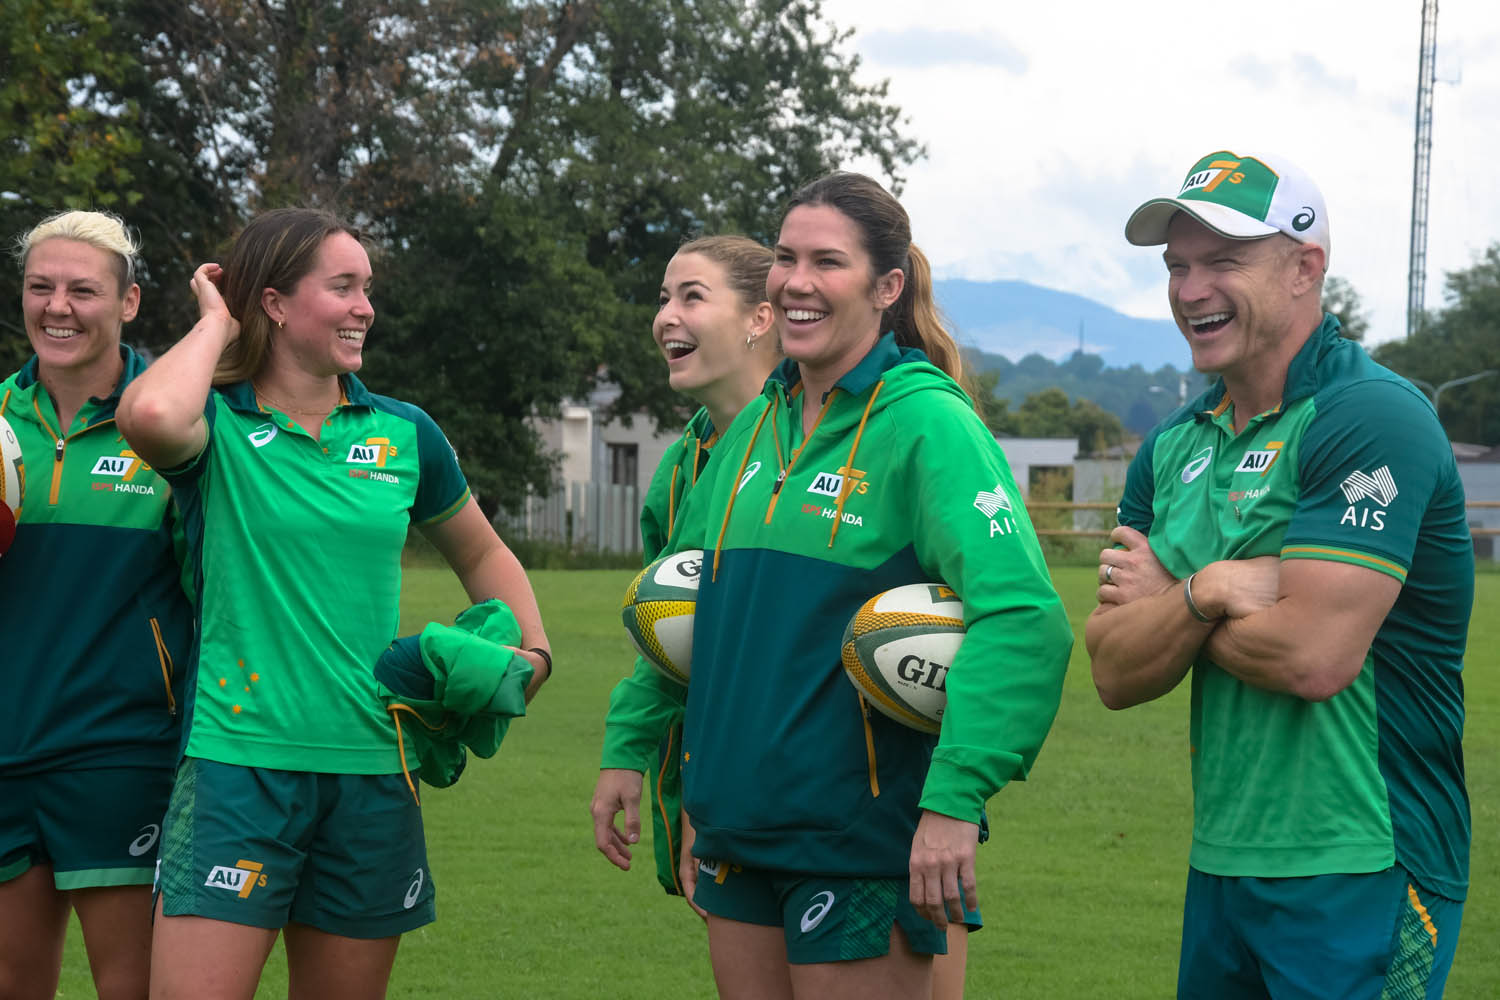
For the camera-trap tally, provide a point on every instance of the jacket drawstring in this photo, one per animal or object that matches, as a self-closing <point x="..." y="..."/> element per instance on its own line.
<point x="671" y="501"/>
<point x="699" y="445"/>
<point x="849" y="472"/>
<point x="401" y="741"/>
<point x="738" y="479"/>
<point x="786" y="467"/>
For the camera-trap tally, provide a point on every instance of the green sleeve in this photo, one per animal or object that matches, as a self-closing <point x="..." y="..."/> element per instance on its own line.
<point x="642" y="707"/>
<point x="972" y="532"/>
<point x="645" y="704"/>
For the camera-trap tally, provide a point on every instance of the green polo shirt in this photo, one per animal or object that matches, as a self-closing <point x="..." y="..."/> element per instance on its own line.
<point x="298" y="545"/>
<point x="1351" y="467"/>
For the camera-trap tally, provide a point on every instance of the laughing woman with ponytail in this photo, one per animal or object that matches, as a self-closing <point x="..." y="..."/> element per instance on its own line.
<point x="836" y="845"/>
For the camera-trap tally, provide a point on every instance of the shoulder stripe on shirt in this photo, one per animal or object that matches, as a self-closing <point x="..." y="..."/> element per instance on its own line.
<point x="1313" y="551"/>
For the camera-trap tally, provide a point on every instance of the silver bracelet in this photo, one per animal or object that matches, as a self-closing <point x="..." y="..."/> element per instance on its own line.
<point x="1187" y="596"/>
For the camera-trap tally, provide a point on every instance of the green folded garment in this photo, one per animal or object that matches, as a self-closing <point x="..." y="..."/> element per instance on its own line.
<point x="455" y="686"/>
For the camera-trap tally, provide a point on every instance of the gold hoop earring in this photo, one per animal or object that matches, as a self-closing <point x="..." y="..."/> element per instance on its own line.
<point x="281" y="324"/>
<point x="749" y="341"/>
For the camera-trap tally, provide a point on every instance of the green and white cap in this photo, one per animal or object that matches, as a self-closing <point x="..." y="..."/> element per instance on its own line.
<point x="1242" y="197"/>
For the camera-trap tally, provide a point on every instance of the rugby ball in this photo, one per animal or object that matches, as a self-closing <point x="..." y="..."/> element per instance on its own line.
<point x="898" y="648"/>
<point x="658" y="612"/>
<point x="12" y="482"/>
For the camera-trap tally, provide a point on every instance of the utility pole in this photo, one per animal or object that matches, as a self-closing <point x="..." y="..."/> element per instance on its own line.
<point x="1416" y="280"/>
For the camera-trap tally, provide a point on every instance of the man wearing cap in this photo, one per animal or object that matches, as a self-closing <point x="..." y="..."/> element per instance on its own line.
<point x="1295" y="539"/>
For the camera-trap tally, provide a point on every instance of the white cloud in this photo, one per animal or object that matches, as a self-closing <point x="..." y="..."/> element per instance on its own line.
<point x="1039" y="150"/>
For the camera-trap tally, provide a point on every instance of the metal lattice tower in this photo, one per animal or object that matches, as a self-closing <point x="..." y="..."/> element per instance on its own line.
<point x="1416" y="280"/>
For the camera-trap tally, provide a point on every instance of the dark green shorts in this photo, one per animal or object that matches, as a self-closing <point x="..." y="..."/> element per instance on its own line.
<point x="825" y="918"/>
<point x="94" y="826"/>
<point x="1376" y="936"/>
<point x="340" y="852"/>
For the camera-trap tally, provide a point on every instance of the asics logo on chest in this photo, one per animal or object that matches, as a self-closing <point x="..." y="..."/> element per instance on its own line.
<point x="1197" y="464"/>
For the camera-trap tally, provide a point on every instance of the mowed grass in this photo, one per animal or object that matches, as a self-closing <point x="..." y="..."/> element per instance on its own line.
<point x="1081" y="882"/>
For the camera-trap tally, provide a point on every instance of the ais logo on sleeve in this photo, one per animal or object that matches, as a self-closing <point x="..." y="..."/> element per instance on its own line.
<point x="990" y="503"/>
<point x="1378" y="487"/>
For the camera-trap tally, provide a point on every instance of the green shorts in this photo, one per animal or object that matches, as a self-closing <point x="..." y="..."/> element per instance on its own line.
<point x="94" y="826"/>
<point x="1367" y="937"/>
<point x="825" y="918"/>
<point x="343" y="853"/>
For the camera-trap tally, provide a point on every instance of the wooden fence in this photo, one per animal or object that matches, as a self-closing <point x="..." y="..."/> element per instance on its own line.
<point x="1036" y="505"/>
<point x="605" y="518"/>
<point x="600" y="518"/>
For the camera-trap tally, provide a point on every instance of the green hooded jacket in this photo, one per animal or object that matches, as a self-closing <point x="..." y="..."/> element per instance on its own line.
<point x="899" y="482"/>
<point x="643" y="729"/>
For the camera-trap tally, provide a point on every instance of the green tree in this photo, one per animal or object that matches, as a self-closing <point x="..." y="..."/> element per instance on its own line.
<point x="1461" y="339"/>
<point x="1050" y="414"/>
<point x="993" y="410"/>
<point x="1340" y="298"/>
<point x="527" y="167"/>
<point x="65" y="141"/>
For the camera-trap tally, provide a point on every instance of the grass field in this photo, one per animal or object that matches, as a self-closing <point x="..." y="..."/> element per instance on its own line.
<point x="1081" y="884"/>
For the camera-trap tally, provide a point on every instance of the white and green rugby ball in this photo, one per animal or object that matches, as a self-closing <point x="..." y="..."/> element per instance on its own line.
<point x="12" y="483"/>
<point x="658" y="612"/>
<point x="898" y="648"/>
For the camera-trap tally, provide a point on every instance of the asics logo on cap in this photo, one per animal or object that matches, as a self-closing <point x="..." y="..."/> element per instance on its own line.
<point x="1304" y="219"/>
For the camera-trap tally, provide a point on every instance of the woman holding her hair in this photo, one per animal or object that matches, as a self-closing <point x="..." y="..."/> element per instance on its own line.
<point x="290" y="810"/>
<point x="96" y="626"/>
<point x="835" y="844"/>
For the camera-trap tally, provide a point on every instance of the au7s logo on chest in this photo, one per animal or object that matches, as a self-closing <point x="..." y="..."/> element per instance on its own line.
<point x="374" y="452"/>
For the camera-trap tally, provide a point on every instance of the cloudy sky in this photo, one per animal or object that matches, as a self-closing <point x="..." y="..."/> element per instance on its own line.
<point x="1047" y="123"/>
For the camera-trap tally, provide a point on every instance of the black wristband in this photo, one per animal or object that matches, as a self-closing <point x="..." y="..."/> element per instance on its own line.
<point x="546" y="657"/>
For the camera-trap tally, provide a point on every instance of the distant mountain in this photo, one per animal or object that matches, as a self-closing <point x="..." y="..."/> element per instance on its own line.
<point x="1015" y="318"/>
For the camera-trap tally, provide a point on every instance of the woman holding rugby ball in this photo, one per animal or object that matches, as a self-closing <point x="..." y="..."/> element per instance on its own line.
<point x="291" y="812"/>
<point x="715" y="329"/>
<point x="96" y="623"/>
<point x="835" y="844"/>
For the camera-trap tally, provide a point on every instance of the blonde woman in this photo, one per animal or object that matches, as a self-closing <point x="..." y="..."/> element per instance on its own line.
<point x="97" y="627"/>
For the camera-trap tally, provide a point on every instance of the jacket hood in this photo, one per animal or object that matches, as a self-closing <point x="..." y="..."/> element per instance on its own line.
<point x="902" y="370"/>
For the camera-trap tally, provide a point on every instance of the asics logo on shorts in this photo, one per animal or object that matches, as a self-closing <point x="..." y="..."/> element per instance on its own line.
<point x="147" y="840"/>
<point x="413" y="891"/>
<point x="814" y="914"/>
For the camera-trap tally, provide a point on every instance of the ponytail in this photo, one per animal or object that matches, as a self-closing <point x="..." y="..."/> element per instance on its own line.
<point x="918" y="322"/>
